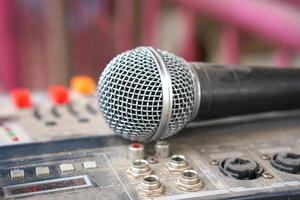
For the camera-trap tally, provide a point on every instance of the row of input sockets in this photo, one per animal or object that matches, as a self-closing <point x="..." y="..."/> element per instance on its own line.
<point x="150" y="186"/>
<point x="42" y="171"/>
<point x="244" y="168"/>
<point x="241" y="168"/>
<point x="235" y="167"/>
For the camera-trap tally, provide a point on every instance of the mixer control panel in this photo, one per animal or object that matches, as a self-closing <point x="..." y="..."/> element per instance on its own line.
<point x="192" y="165"/>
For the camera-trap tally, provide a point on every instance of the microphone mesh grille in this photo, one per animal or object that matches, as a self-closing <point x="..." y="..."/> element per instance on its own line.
<point x="130" y="94"/>
<point x="183" y="92"/>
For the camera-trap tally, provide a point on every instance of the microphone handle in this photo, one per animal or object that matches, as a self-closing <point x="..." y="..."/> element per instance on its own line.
<point x="239" y="90"/>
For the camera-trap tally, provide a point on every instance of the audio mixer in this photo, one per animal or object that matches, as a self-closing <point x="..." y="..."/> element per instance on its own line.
<point x="57" y="146"/>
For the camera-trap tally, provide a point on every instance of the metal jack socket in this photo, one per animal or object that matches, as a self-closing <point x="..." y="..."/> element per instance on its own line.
<point x="162" y="149"/>
<point x="189" y="181"/>
<point x="150" y="187"/>
<point x="139" y="169"/>
<point x="135" y="151"/>
<point x="177" y="164"/>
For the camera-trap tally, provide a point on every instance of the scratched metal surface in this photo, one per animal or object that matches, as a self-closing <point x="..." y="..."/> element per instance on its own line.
<point x="249" y="138"/>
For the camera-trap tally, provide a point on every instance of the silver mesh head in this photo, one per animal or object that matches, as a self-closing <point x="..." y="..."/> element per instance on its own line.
<point x="131" y="97"/>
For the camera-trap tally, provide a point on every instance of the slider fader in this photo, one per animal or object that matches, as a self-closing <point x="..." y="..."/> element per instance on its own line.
<point x="55" y="145"/>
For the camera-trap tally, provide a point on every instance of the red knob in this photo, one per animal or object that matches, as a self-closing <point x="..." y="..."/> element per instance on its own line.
<point x="21" y="97"/>
<point x="59" y="94"/>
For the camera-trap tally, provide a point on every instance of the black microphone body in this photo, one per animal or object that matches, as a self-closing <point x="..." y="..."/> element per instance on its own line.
<point x="238" y="90"/>
<point x="147" y="94"/>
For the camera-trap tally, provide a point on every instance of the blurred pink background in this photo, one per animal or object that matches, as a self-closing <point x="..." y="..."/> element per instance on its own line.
<point x="47" y="42"/>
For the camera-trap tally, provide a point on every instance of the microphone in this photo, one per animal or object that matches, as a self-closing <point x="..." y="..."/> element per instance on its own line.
<point x="147" y="94"/>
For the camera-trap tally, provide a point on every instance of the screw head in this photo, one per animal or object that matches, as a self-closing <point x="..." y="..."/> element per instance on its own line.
<point x="214" y="162"/>
<point x="266" y="157"/>
<point x="152" y="160"/>
<point x="267" y="175"/>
